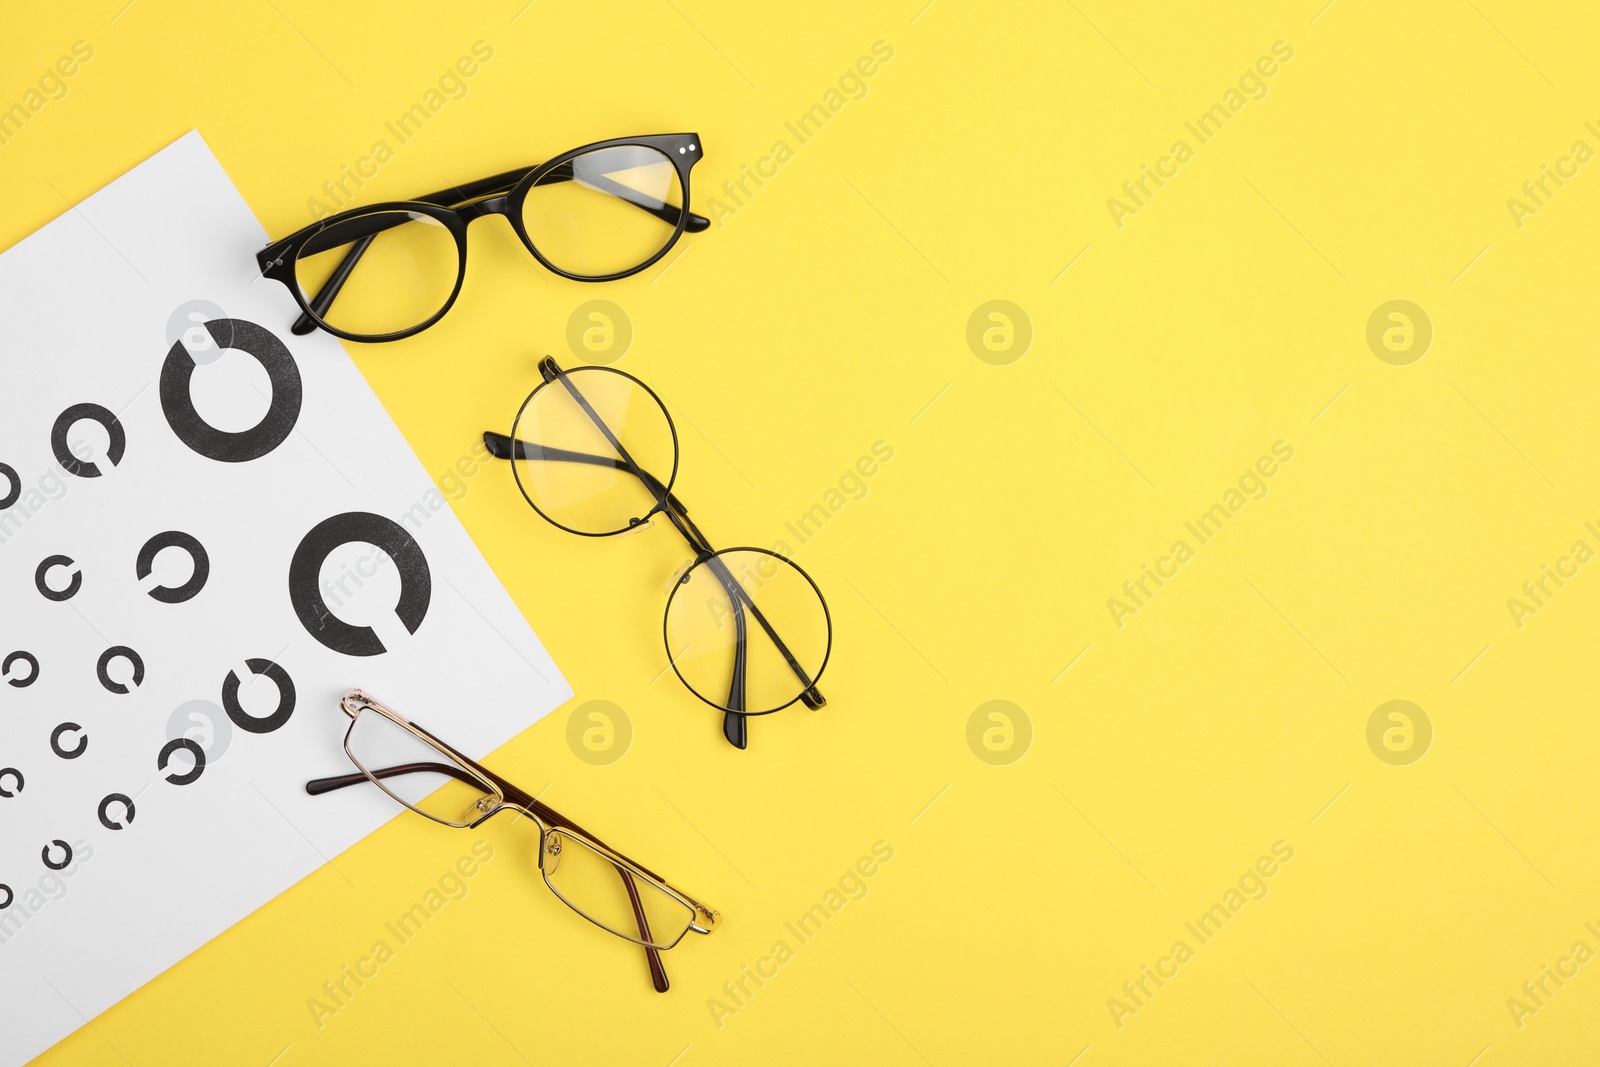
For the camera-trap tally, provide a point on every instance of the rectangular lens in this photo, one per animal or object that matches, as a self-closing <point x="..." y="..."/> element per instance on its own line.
<point x="417" y="774"/>
<point x="598" y="888"/>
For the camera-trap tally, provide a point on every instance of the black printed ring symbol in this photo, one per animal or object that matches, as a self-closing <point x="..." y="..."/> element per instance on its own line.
<point x="9" y="896"/>
<point x="197" y="555"/>
<point x="66" y="854"/>
<point x="9" y="473"/>
<point x="44" y="569"/>
<point x="74" y="415"/>
<point x="68" y="753"/>
<point x="247" y="722"/>
<point x="127" y="804"/>
<point x="416" y="583"/>
<point x="186" y="744"/>
<point x="10" y="791"/>
<point x="20" y="657"/>
<point x="119" y="652"/>
<point x="282" y="413"/>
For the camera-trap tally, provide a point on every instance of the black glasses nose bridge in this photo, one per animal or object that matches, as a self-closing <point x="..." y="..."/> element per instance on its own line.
<point x="477" y="209"/>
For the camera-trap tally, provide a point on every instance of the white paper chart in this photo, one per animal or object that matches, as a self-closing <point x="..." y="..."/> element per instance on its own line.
<point x="209" y="529"/>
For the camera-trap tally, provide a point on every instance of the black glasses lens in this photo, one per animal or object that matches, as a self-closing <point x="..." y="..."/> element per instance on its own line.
<point x="605" y="212"/>
<point x="390" y="270"/>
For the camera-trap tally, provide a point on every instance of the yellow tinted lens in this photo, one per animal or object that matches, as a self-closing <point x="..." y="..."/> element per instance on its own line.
<point x="755" y="601"/>
<point x="570" y="467"/>
<point x="595" y="887"/>
<point x="605" y="211"/>
<point x="405" y="268"/>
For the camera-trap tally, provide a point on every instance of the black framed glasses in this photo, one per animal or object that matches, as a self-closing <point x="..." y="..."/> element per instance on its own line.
<point x="595" y="453"/>
<point x="594" y="214"/>
<point x="431" y="778"/>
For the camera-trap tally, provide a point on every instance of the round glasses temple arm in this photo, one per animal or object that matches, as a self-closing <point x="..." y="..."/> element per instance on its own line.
<point x="669" y="505"/>
<point x="810" y="695"/>
<point x="502" y="447"/>
<point x="734" y="725"/>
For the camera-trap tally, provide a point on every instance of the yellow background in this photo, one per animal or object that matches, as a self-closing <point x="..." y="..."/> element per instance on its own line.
<point x="824" y="315"/>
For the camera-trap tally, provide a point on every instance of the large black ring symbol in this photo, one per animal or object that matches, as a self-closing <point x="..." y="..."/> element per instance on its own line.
<point x="9" y="473"/>
<point x="26" y="657"/>
<point x="189" y="745"/>
<point x="76" y="414"/>
<point x="10" y="772"/>
<point x="44" y="854"/>
<point x="122" y="652"/>
<point x="247" y="722"/>
<point x="68" y="753"/>
<point x="264" y="436"/>
<point x="107" y="821"/>
<point x="9" y="896"/>
<point x="45" y="567"/>
<point x="416" y="583"/>
<point x="197" y="554"/>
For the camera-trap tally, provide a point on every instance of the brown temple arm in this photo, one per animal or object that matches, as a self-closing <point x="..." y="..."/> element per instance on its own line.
<point x="658" y="971"/>
<point x="522" y="799"/>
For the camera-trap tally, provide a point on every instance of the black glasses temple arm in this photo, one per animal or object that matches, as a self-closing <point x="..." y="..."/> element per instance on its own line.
<point x="340" y="232"/>
<point x="641" y="200"/>
<point x="330" y="289"/>
<point x="500" y="183"/>
<point x="504" y="183"/>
